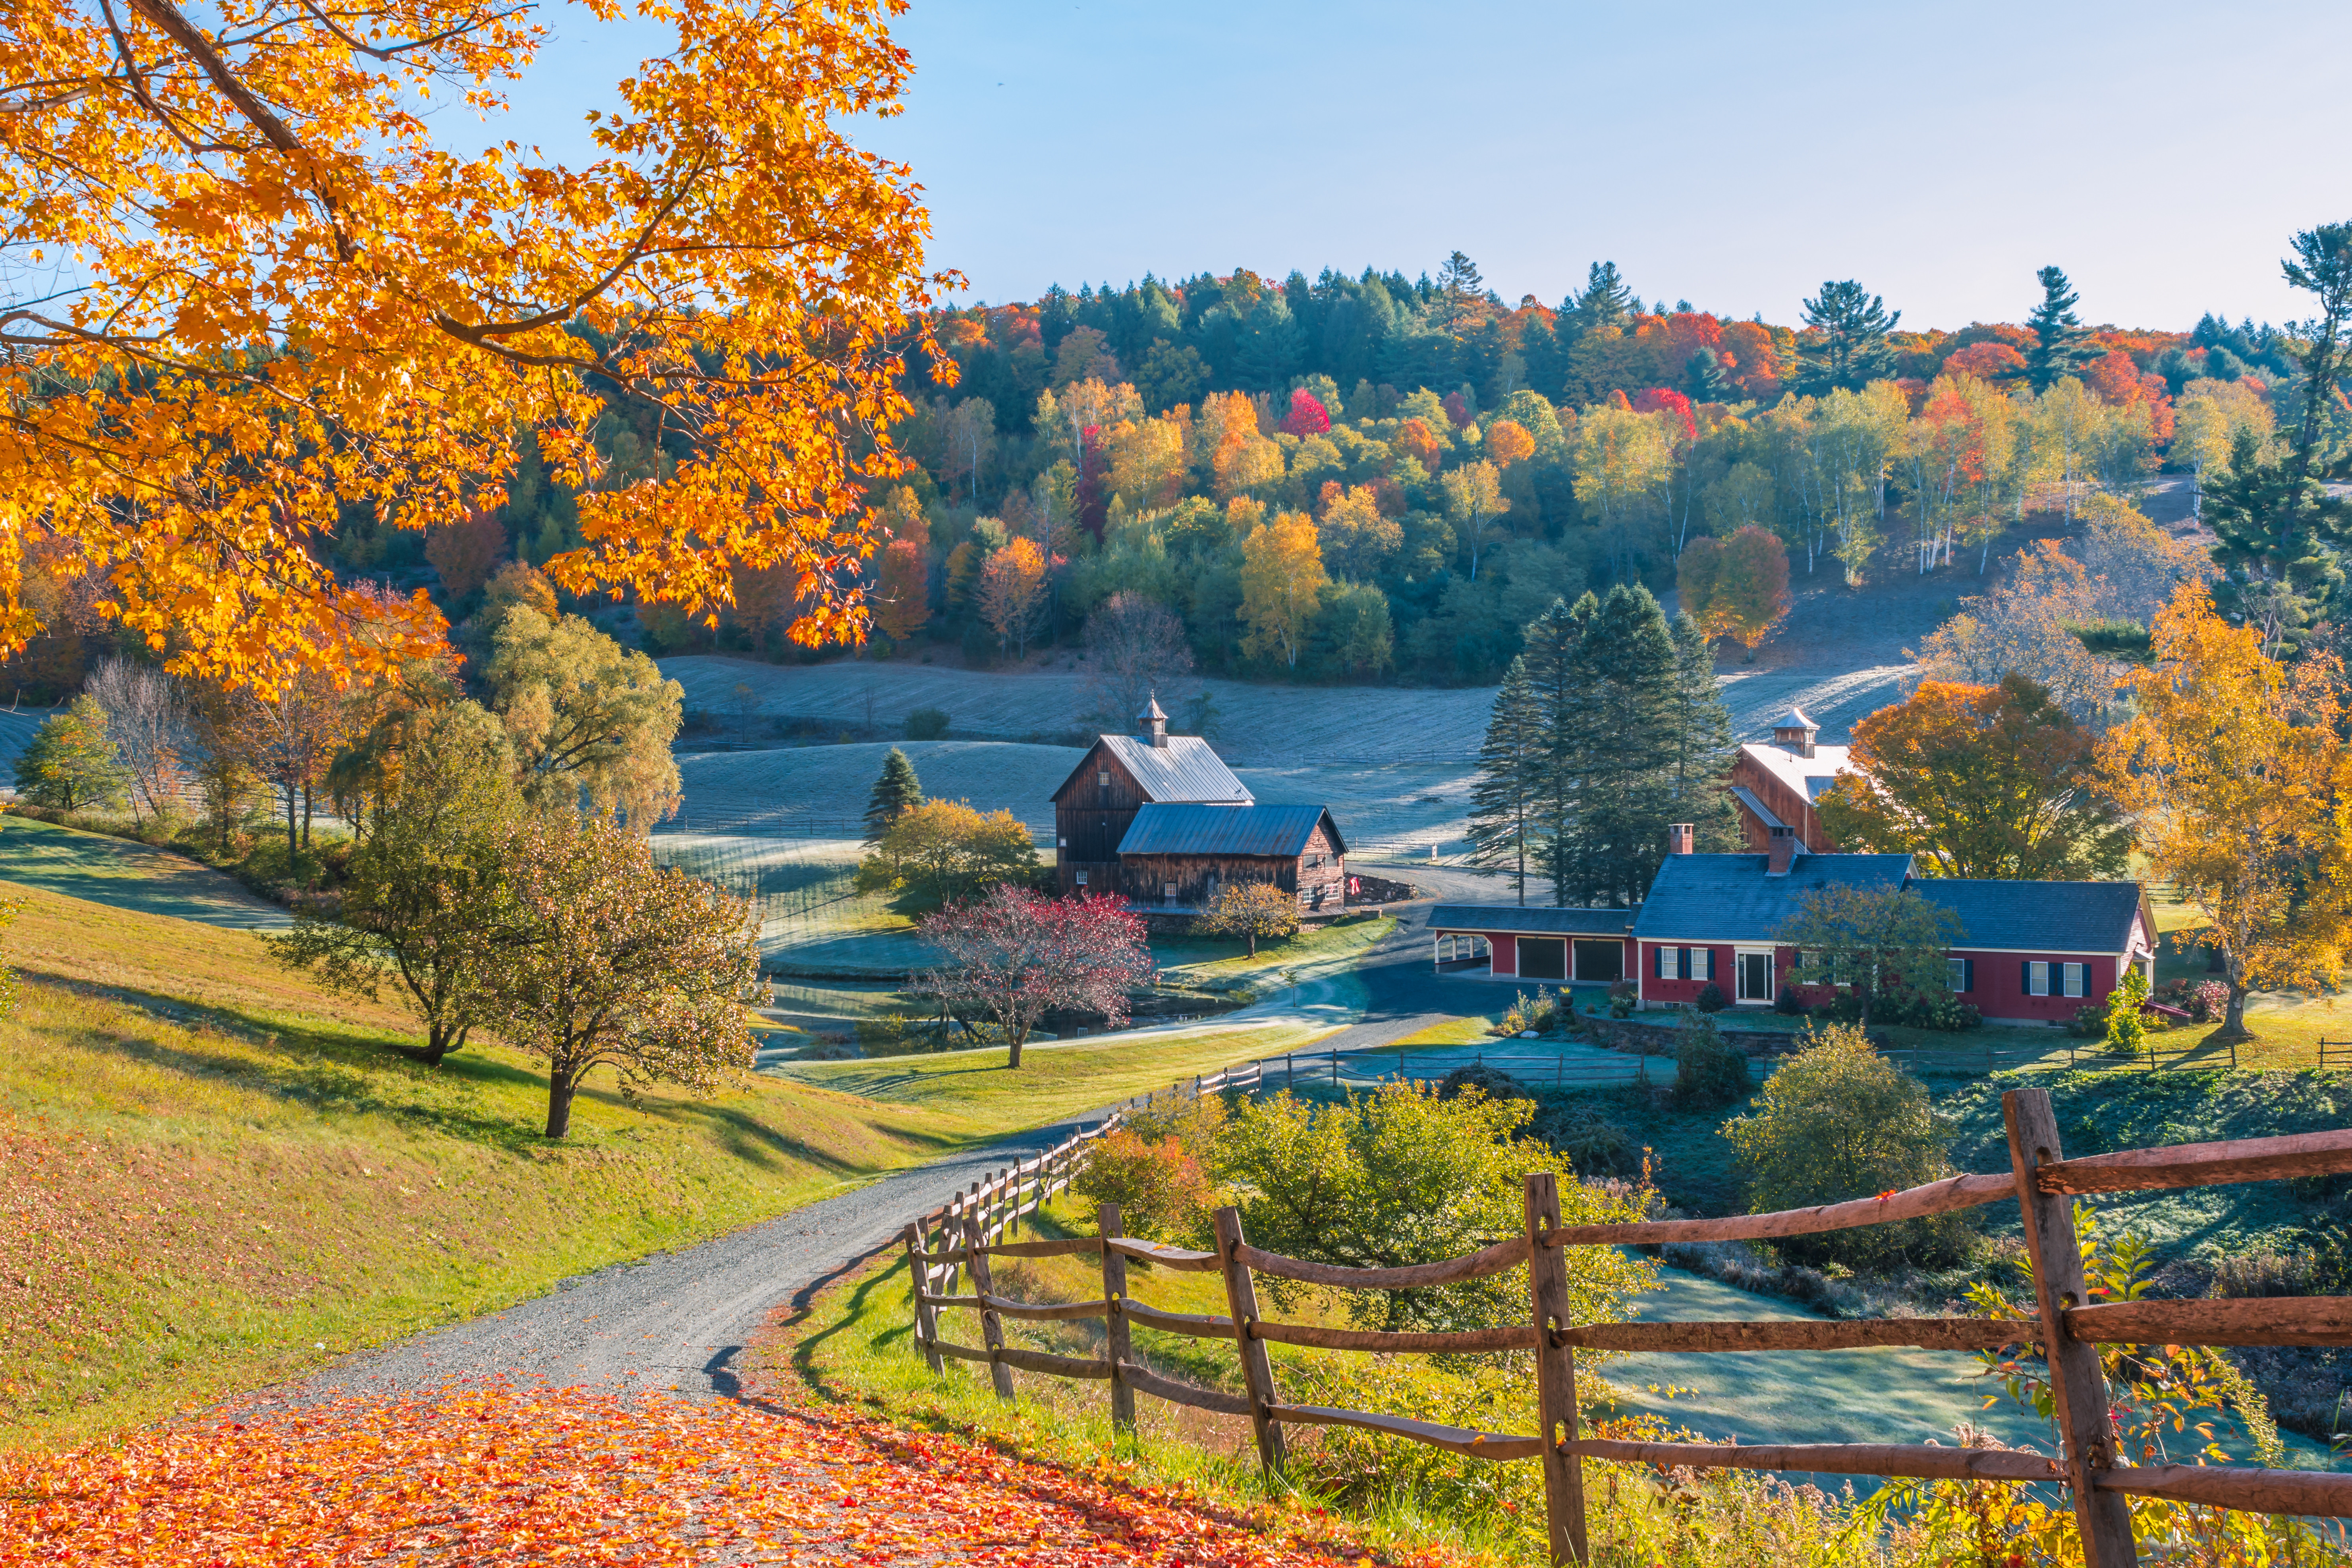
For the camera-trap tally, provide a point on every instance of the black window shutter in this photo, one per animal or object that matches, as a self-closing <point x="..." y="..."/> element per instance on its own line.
<point x="2025" y="976"/>
<point x="1967" y="975"/>
<point x="1657" y="963"/>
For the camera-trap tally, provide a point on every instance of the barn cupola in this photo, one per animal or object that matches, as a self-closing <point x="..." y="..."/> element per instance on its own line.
<point x="1793" y="732"/>
<point x="1155" y="724"/>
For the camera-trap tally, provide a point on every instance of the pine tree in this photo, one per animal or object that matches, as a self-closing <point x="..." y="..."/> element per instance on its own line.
<point x="1606" y="301"/>
<point x="1510" y="774"/>
<point x="1561" y="754"/>
<point x="1851" y="348"/>
<point x="896" y="792"/>
<point x="1702" y="746"/>
<point x="1629" y="677"/>
<point x="2061" y="346"/>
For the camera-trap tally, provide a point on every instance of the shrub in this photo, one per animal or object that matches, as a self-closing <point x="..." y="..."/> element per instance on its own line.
<point x="1492" y="1082"/>
<point x="1939" y="1010"/>
<point x="1623" y="997"/>
<point x="1591" y="1143"/>
<point x="1788" y="1004"/>
<point x="1251" y="910"/>
<point x="1711" y="998"/>
<point x="1836" y="1122"/>
<point x="2208" y="1001"/>
<point x="2089" y="1023"/>
<point x="1401" y="1176"/>
<point x="1541" y="1014"/>
<point x="1161" y="1191"/>
<point x="1708" y="1070"/>
<point x="2127" y="1026"/>
<point x="927" y="724"/>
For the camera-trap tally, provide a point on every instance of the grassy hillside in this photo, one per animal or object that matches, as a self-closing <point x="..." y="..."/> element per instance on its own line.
<point x="219" y="1178"/>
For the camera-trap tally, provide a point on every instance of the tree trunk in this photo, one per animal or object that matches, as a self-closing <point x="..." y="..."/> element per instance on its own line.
<point x="2234" y="1021"/>
<point x="293" y="845"/>
<point x="1252" y="936"/>
<point x="429" y="1055"/>
<point x="1014" y="1039"/>
<point x="561" y="1087"/>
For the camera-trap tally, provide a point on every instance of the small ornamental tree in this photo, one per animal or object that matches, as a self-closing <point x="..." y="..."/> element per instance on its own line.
<point x="72" y="762"/>
<point x="1013" y="956"/>
<point x="944" y="850"/>
<point x="1884" y="942"/>
<point x="616" y="961"/>
<point x="1251" y="910"/>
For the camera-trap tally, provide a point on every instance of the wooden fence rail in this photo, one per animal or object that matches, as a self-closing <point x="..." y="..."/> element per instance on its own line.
<point x="966" y="1234"/>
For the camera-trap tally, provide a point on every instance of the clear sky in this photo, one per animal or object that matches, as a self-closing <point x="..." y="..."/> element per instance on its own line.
<point x="1735" y="155"/>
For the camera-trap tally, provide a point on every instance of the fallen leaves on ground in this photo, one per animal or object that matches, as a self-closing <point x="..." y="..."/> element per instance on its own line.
<point x="500" y="1474"/>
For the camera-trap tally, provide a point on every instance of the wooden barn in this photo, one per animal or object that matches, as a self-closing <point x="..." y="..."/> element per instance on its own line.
<point x="1182" y="857"/>
<point x="1119" y="777"/>
<point x="1159" y="820"/>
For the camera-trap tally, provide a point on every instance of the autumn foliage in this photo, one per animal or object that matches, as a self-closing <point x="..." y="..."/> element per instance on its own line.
<point x="297" y="305"/>
<point x="513" y="1475"/>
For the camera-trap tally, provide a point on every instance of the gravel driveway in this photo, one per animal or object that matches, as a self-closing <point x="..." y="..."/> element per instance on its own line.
<point x="676" y="1318"/>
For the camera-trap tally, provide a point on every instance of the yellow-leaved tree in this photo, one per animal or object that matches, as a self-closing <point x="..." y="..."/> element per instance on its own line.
<point x="2237" y="783"/>
<point x="1282" y="586"/>
<point x="258" y="296"/>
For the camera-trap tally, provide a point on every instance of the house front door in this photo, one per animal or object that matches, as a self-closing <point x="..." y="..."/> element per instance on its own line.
<point x="1755" y="976"/>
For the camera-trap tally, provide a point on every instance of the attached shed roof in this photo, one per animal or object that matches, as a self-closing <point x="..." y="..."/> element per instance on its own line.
<point x="1747" y="797"/>
<point x="1729" y="898"/>
<point x="1535" y="921"/>
<point x="1277" y="832"/>
<point x="1186" y="769"/>
<point x="2037" y="917"/>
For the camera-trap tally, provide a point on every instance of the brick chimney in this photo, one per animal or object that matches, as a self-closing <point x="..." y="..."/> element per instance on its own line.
<point x="1155" y="724"/>
<point x="1679" y="836"/>
<point x="1783" y="852"/>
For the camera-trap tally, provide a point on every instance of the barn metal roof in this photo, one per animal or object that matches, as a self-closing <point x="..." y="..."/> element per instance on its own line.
<point x="1186" y="769"/>
<point x="1273" y="831"/>
<point x="1537" y="921"/>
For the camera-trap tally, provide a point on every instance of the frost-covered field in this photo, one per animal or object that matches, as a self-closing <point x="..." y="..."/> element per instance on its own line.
<point x="1394" y="764"/>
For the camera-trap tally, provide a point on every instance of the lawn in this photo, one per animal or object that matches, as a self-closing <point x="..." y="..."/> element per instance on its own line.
<point x="128" y="874"/>
<point x="1220" y="963"/>
<point x="1053" y="1081"/>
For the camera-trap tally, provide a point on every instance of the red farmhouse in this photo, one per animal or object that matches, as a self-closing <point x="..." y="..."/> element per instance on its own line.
<point x="2028" y="951"/>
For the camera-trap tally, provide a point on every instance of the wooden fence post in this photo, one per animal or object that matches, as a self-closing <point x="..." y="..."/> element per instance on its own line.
<point x="2076" y="1378"/>
<point x="1257" y="1372"/>
<point x="991" y="1331"/>
<point x="1563" y="1472"/>
<point x="1107" y="1223"/>
<point x="927" y="1317"/>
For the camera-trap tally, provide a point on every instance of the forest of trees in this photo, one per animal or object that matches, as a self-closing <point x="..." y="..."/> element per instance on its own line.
<point x="1372" y="478"/>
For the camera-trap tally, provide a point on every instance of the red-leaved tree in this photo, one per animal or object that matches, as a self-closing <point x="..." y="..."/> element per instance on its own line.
<point x="1013" y="956"/>
<point x="1307" y="416"/>
<point x="1666" y="400"/>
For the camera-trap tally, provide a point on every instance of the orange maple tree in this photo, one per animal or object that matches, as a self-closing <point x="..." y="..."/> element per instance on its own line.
<point x="295" y="302"/>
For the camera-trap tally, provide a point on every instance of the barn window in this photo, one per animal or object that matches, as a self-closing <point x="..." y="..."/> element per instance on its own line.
<point x="1168" y="891"/>
<point x="1314" y="861"/>
<point x="1063" y="842"/>
<point x="1082" y="879"/>
<point x="1103" y="778"/>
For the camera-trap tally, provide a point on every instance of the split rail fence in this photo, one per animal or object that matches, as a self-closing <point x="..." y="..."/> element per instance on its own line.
<point x="2069" y="1330"/>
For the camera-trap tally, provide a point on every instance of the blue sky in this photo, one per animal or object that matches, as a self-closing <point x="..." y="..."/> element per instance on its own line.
<point x="1735" y="155"/>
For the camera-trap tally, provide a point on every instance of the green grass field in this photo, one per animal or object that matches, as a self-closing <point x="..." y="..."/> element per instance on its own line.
<point x="220" y="1178"/>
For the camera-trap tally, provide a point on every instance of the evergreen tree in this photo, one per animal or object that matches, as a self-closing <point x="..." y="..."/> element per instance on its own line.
<point x="1851" y="348"/>
<point x="2273" y="509"/>
<point x="1606" y="301"/>
<point x="1629" y="700"/>
<point x="1547" y="361"/>
<point x="2061" y="344"/>
<point x="1702" y="378"/>
<point x="72" y="761"/>
<point x="1702" y="746"/>
<point x="1558" y="756"/>
<point x="1510" y="775"/>
<point x="895" y="792"/>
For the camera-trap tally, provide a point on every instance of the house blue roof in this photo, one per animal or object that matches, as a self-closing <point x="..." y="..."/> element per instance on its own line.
<point x="1273" y="831"/>
<point x="2037" y="917"/>
<point x="1537" y="920"/>
<point x="1729" y="898"/>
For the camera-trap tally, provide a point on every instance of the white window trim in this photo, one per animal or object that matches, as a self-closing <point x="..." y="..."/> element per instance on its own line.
<point x="2037" y="970"/>
<point x="2074" y="979"/>
<point x="1670" y="962"/>
<point x="1739" y="955"/>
